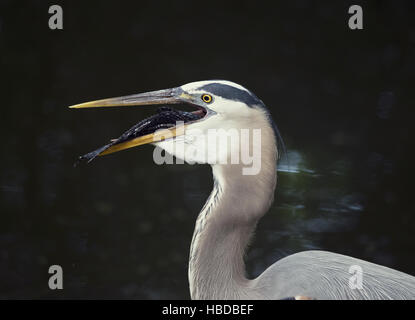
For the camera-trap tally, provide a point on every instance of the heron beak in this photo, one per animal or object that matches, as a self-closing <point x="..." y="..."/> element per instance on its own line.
<point x="167" y="96"/>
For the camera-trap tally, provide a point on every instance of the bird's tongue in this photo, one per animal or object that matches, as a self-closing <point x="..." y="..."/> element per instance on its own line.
<point x="166" y="117"/>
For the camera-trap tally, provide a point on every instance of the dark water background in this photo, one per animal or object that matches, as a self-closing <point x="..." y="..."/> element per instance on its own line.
<point x="121" y="227"/>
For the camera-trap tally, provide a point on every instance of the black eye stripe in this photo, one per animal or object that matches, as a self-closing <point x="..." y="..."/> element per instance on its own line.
<point x="231" y="93"/>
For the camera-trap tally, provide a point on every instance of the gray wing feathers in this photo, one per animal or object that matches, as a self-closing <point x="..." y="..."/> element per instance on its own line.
<point x="326" y="275"/>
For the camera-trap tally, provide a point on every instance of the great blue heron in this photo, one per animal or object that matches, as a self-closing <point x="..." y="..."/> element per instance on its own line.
<point x="226" y="223"/>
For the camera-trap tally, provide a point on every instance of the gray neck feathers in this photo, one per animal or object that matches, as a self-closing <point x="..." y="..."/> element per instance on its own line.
<point x="224" y="228"/>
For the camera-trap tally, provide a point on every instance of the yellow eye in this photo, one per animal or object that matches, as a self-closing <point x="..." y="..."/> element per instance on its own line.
<point x="207" y="98"/>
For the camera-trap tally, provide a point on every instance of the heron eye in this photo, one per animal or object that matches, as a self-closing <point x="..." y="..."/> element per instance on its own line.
<point x="207" y="98"/>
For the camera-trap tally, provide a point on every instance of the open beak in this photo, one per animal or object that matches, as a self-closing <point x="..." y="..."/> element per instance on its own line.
<point x="143" y="133"/>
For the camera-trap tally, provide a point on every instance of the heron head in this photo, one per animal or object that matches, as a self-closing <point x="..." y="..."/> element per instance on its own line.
<point x="223" y="109"/>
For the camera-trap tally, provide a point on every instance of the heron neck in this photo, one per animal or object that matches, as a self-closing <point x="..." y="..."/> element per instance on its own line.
<point x="224" y="228"/>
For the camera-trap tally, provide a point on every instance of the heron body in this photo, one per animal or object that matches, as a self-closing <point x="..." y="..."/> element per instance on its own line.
<point x="226" y="224"/>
